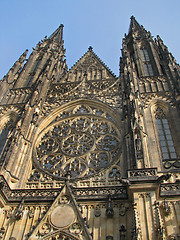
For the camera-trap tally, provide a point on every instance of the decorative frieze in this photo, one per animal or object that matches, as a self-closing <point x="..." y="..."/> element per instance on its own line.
<point x="118" y="192"/>
<point x="170" y="189"/>
<point x="28" y="194"/>
<point x="142" y="173"/>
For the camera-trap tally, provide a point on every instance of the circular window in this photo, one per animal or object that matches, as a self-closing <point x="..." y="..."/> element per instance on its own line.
<point x="81" y="144"/>
<point x="62" y="216"/>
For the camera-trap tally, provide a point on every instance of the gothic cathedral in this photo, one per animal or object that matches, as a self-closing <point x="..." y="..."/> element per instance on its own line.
<point x="86" y="155"/>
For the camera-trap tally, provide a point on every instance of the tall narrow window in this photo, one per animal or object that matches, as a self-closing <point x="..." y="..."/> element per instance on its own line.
<point x="148" y="71"/>
<point x="34" y="69"/>
<point x="165" y="138"/>
<point x="3" y="136"/>
<point x="135" y="62"/>
<point x="144" y="55"/>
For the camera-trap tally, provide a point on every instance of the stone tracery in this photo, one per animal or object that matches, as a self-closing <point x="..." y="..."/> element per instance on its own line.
<point x="82" y="143"/>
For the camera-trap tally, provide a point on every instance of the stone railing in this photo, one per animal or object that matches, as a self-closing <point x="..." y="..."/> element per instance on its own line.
<point x="142" y="173"/>
<point x="116" y="192"/>
<point x="28" y="194"/>
<point x="170" y="189"/>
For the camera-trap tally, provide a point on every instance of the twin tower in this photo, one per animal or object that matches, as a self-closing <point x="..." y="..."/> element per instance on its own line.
<point x="86" y="155"/>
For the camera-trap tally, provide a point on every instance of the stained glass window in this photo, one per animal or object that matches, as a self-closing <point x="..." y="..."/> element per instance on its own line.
<point x="165" y="137"/>
<point x="148" y="71"/>
<point x="3" y="136"/>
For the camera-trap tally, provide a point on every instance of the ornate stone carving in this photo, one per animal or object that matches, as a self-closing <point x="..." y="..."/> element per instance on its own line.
<point x="166" y="208"/>
<point x="2" y="232"/>
<point x="118" y="192"/>
<point x="170" y="189"/>
<point x="62" y="216"/>
<point x="9" y="213"/>
<point x="109" y="209"/>
<point x="171" y="163"/>
<point x="114" y="173"/>
<point x="159" y="229"/>
<point x="82" y="143"/>
<point x="18" y="213"/>
<point x="138" y="144"/>
<point x="122" y="209"/>
<point x="97" y="211"/>
<point x="31" y="212"/>
<point x="75" y="228"/>
<point x="149" y="172"/>
<point x="122" y="232"/>
<point x="45" y="229"/>
<point x="18" y="194"/>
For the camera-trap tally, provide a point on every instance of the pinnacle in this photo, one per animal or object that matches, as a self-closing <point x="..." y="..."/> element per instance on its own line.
<point x="134" y="25"/>
<point x="57" y="36"/>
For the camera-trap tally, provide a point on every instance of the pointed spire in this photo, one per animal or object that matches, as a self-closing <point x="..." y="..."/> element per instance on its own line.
<point x="134" y="25"/>
<point x="164" y="50"/>
<point x="22" y="58"/>
<point x="13" y="73"/>
<point x="57" y="36"/>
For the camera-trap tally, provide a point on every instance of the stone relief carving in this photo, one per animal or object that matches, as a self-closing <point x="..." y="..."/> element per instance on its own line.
<point x="110" y="96"/>
<point x="110" y="177"/>
<point x="18" y="213"/>
<point x="88" y="78"/>
<point x="109" y="208"/>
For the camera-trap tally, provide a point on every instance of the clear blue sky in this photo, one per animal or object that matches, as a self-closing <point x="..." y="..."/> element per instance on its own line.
<point x="99" y="23"/>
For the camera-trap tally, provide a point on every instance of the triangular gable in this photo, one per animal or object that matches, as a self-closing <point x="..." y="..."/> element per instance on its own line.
<point x="62" y="219"/>
<point x="91" y="66"/>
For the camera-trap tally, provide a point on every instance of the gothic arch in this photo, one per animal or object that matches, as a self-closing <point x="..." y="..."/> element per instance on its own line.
<point x="164" y="128"/>
<point x="7" y="122"/>
<point x="160" y="103"/>
<point x="83" y="137"/>
<point x="165" y="107"/>
<point x="8" y="117"/>
<point x="96" y="104"/>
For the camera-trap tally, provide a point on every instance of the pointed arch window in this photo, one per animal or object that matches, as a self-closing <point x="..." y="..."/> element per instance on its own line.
<point x="4" y="134"/>
<point x="144" y="55"/>
<point x="148" y="71"/>
<point x="165" y="137"/>
<point x="34" y="68"/>
<point x="3" y="137"/>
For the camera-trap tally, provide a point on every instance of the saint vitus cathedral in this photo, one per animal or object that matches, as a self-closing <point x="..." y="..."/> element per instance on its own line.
<point x="86" y="155"/>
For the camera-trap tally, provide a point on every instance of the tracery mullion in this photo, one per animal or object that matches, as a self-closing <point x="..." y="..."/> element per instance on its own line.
<point x="146" y="62"/>
<point x="82" y="136"/>
<point x="165" y="137"/>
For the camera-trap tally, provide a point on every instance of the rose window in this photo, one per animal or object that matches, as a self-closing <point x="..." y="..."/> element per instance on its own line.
<point x="81" y="144"/>
<point x="77" y="144"/>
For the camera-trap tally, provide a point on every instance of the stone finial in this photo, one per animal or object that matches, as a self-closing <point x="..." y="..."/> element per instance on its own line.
<point x="90" y="48"/>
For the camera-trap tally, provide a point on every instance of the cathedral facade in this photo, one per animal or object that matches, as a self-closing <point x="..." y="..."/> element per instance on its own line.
<point x="87" y="155"/>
